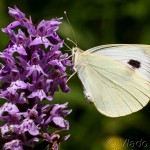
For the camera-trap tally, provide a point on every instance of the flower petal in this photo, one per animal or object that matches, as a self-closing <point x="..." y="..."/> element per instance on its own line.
<point x="41" y="40"/>
<point x="40" y="94"/>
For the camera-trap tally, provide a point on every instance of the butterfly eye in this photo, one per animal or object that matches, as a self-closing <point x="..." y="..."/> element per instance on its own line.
<point x="75" y="50"/>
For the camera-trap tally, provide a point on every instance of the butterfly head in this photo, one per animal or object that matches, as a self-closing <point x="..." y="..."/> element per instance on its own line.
<point x="76" y="50"/>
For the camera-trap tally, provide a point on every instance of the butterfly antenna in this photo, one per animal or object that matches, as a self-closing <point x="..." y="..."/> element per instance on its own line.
<point x="67" y="46"/>
<point x="75" y="43"/>
<point x="72" y="41"/>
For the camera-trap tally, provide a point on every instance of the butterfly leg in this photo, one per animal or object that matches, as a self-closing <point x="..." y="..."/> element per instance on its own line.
<point x="71" y="76"/>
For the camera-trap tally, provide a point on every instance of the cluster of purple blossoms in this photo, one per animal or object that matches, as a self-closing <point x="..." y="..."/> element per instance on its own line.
<point x="32" y="69"/>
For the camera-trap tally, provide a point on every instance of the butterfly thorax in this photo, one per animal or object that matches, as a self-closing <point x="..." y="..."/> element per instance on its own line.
<point x="77" y="56"/>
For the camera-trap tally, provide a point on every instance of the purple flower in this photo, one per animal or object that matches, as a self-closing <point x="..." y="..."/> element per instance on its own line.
<point x="13" y="145"/>
<point x="9" y="112"/>
<point x="27" y="125"/>
<point x="14" y="86"/>
<point x="55" y="139"/>
<point x="16" y="13"/>
<point x="30" y="76"/>
<point x="57" y="112"/>
<point x="40" y="94"/>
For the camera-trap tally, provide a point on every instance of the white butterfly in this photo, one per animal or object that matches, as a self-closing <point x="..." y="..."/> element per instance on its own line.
<point x="116" y="78"/>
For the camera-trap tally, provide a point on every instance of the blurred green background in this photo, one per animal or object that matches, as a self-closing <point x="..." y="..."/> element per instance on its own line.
<point x="94" y="22"/>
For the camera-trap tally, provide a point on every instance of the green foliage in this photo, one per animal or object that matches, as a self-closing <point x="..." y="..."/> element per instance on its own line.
<point x="94" y="22"/>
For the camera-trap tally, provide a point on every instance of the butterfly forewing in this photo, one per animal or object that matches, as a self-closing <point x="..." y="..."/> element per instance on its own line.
<point x="130" y="55"/>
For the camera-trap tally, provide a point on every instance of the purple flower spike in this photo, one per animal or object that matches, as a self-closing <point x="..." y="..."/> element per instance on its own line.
<point x="30" y="76"/>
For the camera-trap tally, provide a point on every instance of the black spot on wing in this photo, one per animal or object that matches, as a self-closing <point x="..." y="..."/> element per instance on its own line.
<point x="134" y="63"/>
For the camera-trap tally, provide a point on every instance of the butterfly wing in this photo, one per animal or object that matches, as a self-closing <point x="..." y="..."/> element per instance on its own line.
<point x="116" y="89"/>
<point x="134" y="56"/>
